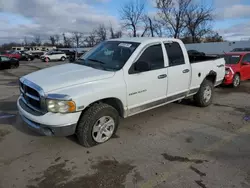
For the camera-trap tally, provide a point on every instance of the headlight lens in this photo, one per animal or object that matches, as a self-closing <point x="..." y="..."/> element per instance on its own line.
<point x="58" y="106"/>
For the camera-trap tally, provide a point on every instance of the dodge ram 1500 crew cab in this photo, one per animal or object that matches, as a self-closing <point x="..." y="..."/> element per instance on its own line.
<point x="117" y="78"/>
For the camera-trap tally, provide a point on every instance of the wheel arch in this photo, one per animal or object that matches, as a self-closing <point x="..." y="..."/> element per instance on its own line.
<point x="237" y="73"/>
<point x="112" y="101"/>
<point x="211" y="76"/>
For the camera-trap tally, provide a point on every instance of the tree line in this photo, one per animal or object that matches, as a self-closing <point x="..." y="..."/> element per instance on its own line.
<point x="184" y="19"/>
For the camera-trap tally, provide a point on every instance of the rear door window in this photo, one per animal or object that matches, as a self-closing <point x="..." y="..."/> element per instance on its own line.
<point x="175" y="54"/>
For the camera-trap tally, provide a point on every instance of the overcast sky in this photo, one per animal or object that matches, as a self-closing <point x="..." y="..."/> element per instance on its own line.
<point x="19" y="18"/>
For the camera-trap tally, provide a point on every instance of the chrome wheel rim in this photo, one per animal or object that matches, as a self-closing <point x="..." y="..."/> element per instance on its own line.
<point x="207" y="94"/>
<point x="236" y="80"/>
<point x="103" y="129"/>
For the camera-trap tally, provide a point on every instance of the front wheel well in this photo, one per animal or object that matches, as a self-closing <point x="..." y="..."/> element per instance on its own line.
<point x="237" y="73"/>
<point x="114" y="102"/>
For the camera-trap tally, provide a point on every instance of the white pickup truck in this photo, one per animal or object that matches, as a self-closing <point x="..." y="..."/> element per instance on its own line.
<point x="117" y="78"/>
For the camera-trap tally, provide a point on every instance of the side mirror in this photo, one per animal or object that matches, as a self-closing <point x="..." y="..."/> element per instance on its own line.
<point x="245" y="63"/>
<point x="142" y="66"/>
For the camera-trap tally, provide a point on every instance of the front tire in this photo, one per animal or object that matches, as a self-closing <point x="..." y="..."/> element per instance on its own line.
<point x="97" y="125"/>
<point x="204" y="97"/>
<point x="63" y="58"/>
<point x="236" y="80"/>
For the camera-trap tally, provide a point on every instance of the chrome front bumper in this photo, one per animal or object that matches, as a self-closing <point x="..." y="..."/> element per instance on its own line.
<point x="48" y="124"/>
<point x="50" y="130"/>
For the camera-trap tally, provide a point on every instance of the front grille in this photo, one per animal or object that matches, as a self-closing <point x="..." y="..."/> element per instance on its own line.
<point x="31" y="97"/>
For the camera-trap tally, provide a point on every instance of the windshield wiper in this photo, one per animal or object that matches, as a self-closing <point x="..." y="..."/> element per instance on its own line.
<point x="95" y="60"/>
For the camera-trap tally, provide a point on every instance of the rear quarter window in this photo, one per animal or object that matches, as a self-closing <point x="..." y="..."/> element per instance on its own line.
<point x="175" y="54"/>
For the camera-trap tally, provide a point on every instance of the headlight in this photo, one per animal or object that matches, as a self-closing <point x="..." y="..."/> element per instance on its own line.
<point x="60" y="106"/>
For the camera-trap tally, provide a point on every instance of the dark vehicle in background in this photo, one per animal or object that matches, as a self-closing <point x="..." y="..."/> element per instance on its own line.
<point x="37" y="54"/>
<point x="26" y="56"/>
<point x="195" y="53"/>
<point x="237" y="68"/>
<point x="241" y="50"/>
<point x="74" y="56"/>
<point x="67" y="52"/>
<point x="9" y="63"/>
<point x="11" y="54"/>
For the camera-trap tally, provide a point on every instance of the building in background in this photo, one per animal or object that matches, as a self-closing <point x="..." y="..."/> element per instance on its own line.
<point x="218" y="47"/>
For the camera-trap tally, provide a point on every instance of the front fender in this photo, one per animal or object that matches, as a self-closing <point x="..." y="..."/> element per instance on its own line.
<point x="88" y="93"/>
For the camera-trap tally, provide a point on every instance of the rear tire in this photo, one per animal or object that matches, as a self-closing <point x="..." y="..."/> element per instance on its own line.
<point x="12" y="66"/>
<point x="204" y="97"/>
<point x="96" y="117"/>
<point x="63" y="58"/>
<point x="236" y="81"/>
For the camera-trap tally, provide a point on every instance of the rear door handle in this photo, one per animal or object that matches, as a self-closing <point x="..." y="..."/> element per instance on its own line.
<point x="162" y="76"/>
<point x="219" y="66"/>
<point x="185" y="71"/>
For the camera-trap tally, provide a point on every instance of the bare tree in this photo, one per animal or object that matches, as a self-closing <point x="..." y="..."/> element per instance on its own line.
<point x="158" y="28"/>
<point x="37" y="40"/>
<point x="25" y="41"/>
<point x="66" y="41"/>
<point x="90" y="40"/>
<point x="118" y="34"/>
<point x="57" y="39"/>
<point x="198" y="20"/>
<point x="101" y="33"/>
<point x="214" y="37"/>
<point x="52" y="40"/>
<point x="152" y="26"/>
<point x="132" y="15"/>
<point x="113" y="34"/>
<point x="77" y="37"/>
<point x="172" y="14"/>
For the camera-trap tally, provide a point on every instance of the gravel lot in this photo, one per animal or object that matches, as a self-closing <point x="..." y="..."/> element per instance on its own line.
<point x="175" y="146"/>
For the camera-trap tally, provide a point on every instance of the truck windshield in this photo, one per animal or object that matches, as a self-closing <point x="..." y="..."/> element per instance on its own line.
<point x="109" y="55"/>
<point x="232" y="59"/>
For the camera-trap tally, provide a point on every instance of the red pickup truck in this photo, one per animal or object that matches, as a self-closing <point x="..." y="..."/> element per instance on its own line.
<point x="237" y="68"/>
<point x="12" y="54"/>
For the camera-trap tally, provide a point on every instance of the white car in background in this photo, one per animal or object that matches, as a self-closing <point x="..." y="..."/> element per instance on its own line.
<point x="54" y="56"/>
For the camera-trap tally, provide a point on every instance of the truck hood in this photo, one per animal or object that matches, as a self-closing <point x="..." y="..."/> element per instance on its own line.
<point x="70" y="74"/>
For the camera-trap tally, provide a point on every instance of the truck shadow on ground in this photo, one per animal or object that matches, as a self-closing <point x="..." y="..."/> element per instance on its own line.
<point x="243" y="88"/>
<point x="19" y="125"/>
<point x="8" y="106"/>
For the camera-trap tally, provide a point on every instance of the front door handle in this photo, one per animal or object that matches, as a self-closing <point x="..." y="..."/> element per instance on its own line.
<point x="185" y="71"/>
<point x="162" y="76"/>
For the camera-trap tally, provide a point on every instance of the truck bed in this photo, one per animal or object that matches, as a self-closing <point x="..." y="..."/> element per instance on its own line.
<point x="205" y="65"/>
<point x="199" y="59"/>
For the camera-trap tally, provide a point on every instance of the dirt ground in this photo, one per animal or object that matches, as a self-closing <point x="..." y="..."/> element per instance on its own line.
<point x="175" y="146"/>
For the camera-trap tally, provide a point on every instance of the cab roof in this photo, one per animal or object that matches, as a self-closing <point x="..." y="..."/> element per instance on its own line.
<point x="144" y="39"/>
